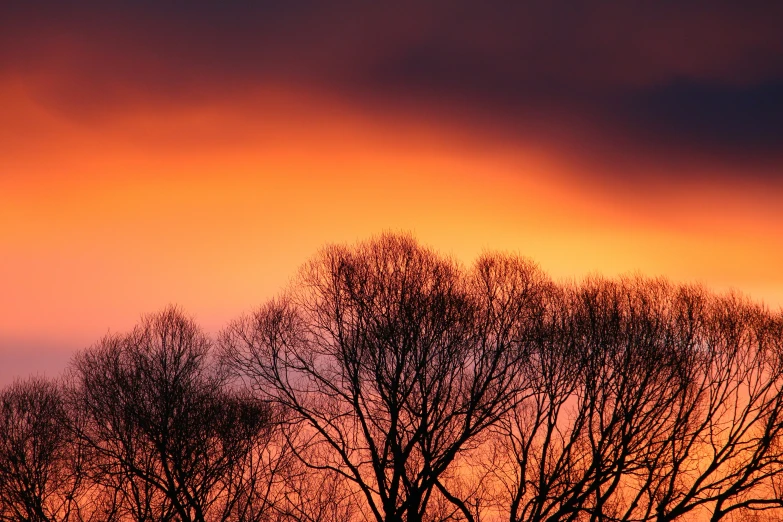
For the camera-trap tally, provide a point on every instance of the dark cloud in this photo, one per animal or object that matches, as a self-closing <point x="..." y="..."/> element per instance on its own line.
<point x="690" y="77"/>
<point x="742" y="120"/>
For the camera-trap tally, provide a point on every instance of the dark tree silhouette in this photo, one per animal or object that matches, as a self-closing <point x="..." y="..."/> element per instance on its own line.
<point x="171" y="437"/>
<point x="725" y="460"/>
<point x="392" y="384"/>
<point x="41" y="470"/>
<point x="650" y="402"/>
<point x="393" y="360"/>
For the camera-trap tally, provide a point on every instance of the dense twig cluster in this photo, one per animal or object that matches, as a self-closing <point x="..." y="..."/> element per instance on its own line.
<point x="389" y="383"/>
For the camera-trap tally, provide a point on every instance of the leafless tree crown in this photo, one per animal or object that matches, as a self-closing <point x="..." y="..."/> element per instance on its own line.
<point x="389" y="383"/>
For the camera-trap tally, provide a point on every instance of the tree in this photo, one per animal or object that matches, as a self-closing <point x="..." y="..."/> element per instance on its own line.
<point x="390" y="383"/>
<point x="725" y="460"/>
<point x="649" y="402"/>
<point x="41" y="471"/>
<point x="170" y="436"/>
<point x="393" y="360"/>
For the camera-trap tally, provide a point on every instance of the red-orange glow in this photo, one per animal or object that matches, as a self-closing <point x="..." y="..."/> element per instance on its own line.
<point x="214" y="205"/>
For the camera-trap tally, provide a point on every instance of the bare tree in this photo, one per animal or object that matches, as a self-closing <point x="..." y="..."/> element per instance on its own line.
<point x="41" y="471"/>
<point x="393" y="360"/>
<point x="390" y="383"/>
<point x="725" y="460"/>
<point x="310" y="495"/>
<point x="169" y="435"/>
<point x="649" y="402"/>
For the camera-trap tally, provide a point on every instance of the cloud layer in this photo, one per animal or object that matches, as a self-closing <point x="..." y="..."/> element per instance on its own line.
<point x="702" y="80"/>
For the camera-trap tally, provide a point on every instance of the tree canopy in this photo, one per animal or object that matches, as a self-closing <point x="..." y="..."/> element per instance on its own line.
<point x="391" y="383"/>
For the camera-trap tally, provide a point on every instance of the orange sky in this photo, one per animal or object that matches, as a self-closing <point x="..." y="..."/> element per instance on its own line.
<point x="213" y="202"/>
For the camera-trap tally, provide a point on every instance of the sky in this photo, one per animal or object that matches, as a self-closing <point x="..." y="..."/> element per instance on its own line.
<point x="198" y="153"/>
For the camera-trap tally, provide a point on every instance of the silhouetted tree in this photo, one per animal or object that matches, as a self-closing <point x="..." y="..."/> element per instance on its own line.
<point x="649" y="402"/>
<point x="41" y="470"/>
<point x="171" y="437"/>
<point x="726" y="458"/>
<point x="394" y="360"/>
<point x="315" y="496"/>
<point x="390" y="383"/>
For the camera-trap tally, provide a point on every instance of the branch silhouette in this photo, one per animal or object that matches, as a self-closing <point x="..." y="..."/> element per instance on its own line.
<point x="389" y="383"/>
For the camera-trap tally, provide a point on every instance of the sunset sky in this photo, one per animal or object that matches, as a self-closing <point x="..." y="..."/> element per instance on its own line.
<point x="197" y="154"/>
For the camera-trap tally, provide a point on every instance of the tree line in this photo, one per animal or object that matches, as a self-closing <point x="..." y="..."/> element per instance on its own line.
<point x="390" y="383"/>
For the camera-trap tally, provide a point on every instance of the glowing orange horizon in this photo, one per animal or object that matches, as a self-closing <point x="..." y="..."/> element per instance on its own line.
<point x="214" y="206"/>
